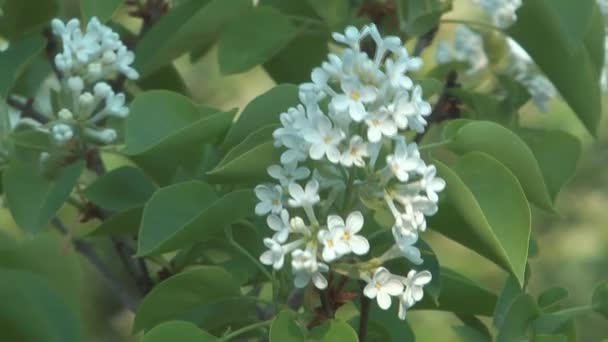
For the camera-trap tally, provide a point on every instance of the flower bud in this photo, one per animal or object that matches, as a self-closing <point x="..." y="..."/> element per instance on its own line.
<point x="65" y="114"/>
<point x="76" y="84"/>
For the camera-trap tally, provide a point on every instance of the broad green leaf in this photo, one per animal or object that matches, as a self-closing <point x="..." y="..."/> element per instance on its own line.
<point x="47" y="256"/>
<point x="165" y="78"/>
<point x="237" y="52"/>
<point x="285" y="328"/>
<point x="14" y="61"/>
<point x="166" y="131"/>
<point x="189" y="212"/>
<point x="485" y="209"/>
<point x="469" y="334"/>
<point x="398" y="330"/>
<point x="504" y="145"/>
<point x="103" y="10"/>
<point x="124" y="222"/>
<point x="121" y="189"/>
<point x="334" y="12"/>
<point x="557" y="154"/>
<point x="509" y="292"/>
<point x="417" y="17"/>
<point x="599" y="300"/>
<point x="206" y="296"/>
<point x="522" y="311"/>
<point x="574" y="31"/>
<point x="34" y="198"/>
<point x="555" y="322"/>
<point x="249" y="160"/>
<point x="549" y="338"/>
<point x="178" y="331"/>
<point x="552" y="296"/>
<point x="33" y="311"/>
<point x="331" y="331"/>
<point x="192" y="25"/>
<point x="262" y="111"/>
<point x="21" y="18"/>
<point x="476" y="324"/>
<point x="482" y="106"/>
<point x="460" y="295"/>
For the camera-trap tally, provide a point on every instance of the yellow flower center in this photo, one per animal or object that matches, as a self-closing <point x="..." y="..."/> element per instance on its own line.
<point x="355" y="95"/>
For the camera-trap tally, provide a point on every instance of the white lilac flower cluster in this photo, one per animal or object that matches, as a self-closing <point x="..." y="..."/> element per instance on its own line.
<point x="88" y="59"/>
<point x="468" y="47"/>
<point x="501" y="12"/>
<point x="356" y="109"/>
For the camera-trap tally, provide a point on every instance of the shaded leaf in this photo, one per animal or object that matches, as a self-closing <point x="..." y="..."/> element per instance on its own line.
<point x="522" y="311"/>
<point x="178" y="331"/>
<point x="121" y="189"/>
<point x="497" y="227"/>
<point x="333" y="330"/>
<point x="14" y="61"/>
<point x="34" y="198"/>
<point x="237" y="52"/>
<point x="103" y="10"/>
<point x="285" y="328"/>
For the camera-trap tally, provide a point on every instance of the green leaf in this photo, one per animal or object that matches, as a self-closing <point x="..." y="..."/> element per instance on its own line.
<point x="14" y="61"/>
<point x="21" y="18"/>
<point x="165" y="78"/>
<point x="189" y="212"/>
<point x="574" y="31"/>
<point x="45" y="255"/>
<point x="285" y="328"/>
<point x="509" y="292"/>
<point x="510" y="150"/>
<point x="249" y="160"/>
<point x="33" y="198"/>
<point x="206" y="296"/>
<point x="264" y="110"/>
<point x="417" y="17"/>
<point x="552" y="296"/>
<point x="166" y="131"/>
<point x="33" y="311"/>
<point x="178" y="331"/>
<point x="121" y="189"/>
<point x="557" y="154"/>
<point x="599" y="300"/>
<point x="193" y="25"/>
<point x="521" y="313"/>
<point x="237" y="52"/>
<point x="549" y="338"/>
<point x="398" y="330"/>
<point x="124" y="222"/>
<point x="331" y="331"/>
<point x="460" y="295"/>
<point x="103" y="10"/>
<point x="470" y="334"/>
<point x="334" y="12"/>
<point x="485" y="209"/>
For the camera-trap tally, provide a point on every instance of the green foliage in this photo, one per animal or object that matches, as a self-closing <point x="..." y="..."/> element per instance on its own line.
<point x="15" y="59"/>
<point x="498" y="229"/>
<point x="103" y="10"/>
<point x="121" y="189"/>
<point x="178" y="215"/>
<point x="206" y="296"/>
<point x="33" y="198"/>
<point x="178" y="331"/>
<point x="574" y="31"/>
<point x="418" y="17"/>
<point x="285" y="328"/>
<point x="599" y="301"/>
<point x="238" y="52"/>
<point x="20" y="20"/>
<point x="30" y="301"/>
<point x="195" y="24"/>
<point x="332" y="330"/>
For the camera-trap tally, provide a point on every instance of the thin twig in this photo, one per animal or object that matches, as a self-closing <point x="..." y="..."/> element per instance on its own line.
<point x="425" y="41"/>
<point x="87" y="250"/>
<point x="364" y="315"/>
<point x="27" y="109"/>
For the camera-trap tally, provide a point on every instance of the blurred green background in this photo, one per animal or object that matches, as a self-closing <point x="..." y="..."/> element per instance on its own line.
<point x="573" y="245"/>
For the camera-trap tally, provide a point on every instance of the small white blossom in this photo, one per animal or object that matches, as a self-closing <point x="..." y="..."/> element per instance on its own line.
<point x="348" y="232"/>
<point x="380" y="124"/>
<point x="431" y="184"/>
<point x="413" y="290"/>
<point x="280" y="224"/>
<point x="271" y="199"/>
<point x="306" y="268"/>
<point x="351" y="37"/>
<point x="301" y="197"/>
<point x="353" y="101"/>
<point x="324" y="140"/>
<point x="405" y="240"/>
<point x="275" y="255"/>
<point x="382" y="286"/>
<point x="62" y="132"/>
<point x="405" y="160"/>
<point x="356" y="153"/>
<point x="288" y="173"/>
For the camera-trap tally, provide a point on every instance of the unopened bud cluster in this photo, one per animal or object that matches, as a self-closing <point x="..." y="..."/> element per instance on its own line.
<point x="345" y="155"/>
<point x="501" y="12"/>
<point x="87" y="62"/>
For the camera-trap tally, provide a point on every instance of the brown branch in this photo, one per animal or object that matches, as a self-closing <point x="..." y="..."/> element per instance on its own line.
<point x="87" y="251"/>
<point x="448" y="105"/>
<point x="27" y="109"/>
